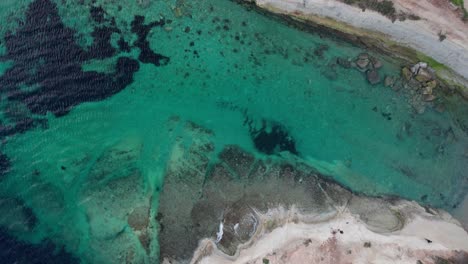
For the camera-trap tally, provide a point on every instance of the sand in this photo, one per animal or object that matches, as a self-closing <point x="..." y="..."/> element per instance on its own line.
<point x="461" y="212"/>
<point x="346" y="239"/>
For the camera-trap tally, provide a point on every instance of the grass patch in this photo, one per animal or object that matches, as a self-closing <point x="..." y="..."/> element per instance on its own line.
<point x="384" y="7"/>
<point x="430" y="61"/>
<point x="461" y="4"/>
<point x="457" y="2"/>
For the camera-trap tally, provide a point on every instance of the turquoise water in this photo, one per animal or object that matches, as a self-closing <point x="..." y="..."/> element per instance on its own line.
<point x="228" y="65"/>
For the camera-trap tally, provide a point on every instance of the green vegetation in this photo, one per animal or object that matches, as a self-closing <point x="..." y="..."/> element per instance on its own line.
<point x="460" y="3"/>
<point x="384" y="7"/>
<point x="430" y="61"/>
<point x="413" y="17"/>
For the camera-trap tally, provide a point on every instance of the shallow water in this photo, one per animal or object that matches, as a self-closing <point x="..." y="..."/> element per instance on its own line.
<point x="230" y="70"/>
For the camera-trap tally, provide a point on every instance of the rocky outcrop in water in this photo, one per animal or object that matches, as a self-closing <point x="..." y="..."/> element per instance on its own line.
<point x="422" y="84"/>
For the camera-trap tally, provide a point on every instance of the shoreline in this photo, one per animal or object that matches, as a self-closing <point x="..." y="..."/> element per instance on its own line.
<point x="300" y="217"/>
<point x="345" y="238"/>
<point x="410" y="41"/>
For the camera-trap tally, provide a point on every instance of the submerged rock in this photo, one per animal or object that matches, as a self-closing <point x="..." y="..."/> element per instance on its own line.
<point x="330" y="73"/>
<point x="273" y="139"/>
<point x="16" y="217"/>
<point x="414" y="84"/>
<point x="376" y="64"/>
<point x="373" y="76"/>
<point x="429" y="97"/>
<point x="320" y="50"/>
<point x="117" y="205"/>
<point x="343" y="62"/>
<point x="239" y="160"/>
<point x="389" y="81"/>
<point x="362" y="63"/>
<point x="144" y="3"/>
<point x="139" y="218"/>
<point x="426" y="90"/>
<point x="363" y="56"/>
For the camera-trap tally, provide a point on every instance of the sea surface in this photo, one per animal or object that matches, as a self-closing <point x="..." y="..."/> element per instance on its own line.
<point x="94" y="93"/>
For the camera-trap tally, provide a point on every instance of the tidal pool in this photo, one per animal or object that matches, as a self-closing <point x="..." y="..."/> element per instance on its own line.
<point x="97" y="97"/>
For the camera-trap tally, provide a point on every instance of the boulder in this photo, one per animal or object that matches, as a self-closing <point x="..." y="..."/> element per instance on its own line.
<point x="423" y="76"/>
<point x="373" y="76"/>
<point x="376" y="63"/>
<point x="144" y="3"/>
<point x="363" y="56"/>
<point x="426" y="90"/>
<point x="413" y="84"/>
<point x="389" y="81"/>
<point x="343" y="63"/>
<point x="362" y="63"/>
<point x="432" y="84"/>
<point x="418" y="66"/>
<point x="429" y="97"/>
<point x="406" y="73"/>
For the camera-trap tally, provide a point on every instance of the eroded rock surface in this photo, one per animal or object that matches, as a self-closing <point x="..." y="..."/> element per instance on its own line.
<point x="229" y="201"/>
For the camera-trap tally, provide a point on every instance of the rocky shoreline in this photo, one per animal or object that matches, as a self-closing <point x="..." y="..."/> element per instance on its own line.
<point x="241" y="208"/>
<point x="451" y="77"/>
<point x="346" y="238"/>
<point x="418" y="82"/>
